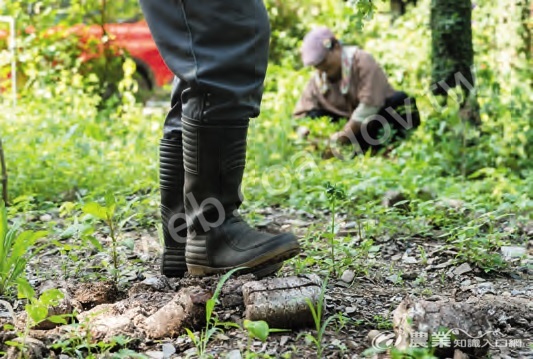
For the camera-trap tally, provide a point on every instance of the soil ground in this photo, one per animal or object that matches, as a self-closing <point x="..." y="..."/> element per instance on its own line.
<point x="365" y="294"/>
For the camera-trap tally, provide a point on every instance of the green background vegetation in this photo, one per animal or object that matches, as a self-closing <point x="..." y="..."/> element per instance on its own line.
<point x="63" y="144"/>
<point x="82" y="158"/>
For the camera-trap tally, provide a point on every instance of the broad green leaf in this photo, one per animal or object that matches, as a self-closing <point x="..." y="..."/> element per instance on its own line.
<point x="58" y="319"/>
<point x="37" y="311"/>
<point x="257" y="329"/>
<point x="51" y="297"/>
<point x="110" y="202"/>
<point x="95" y="242"/>
<point x="25" y="290"/>
<point x="96" y="210"/>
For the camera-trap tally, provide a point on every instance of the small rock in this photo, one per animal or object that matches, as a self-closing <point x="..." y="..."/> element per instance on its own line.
<point x="395" y="199"/>
<point x="396" y="257"/>
<point x="434" y="298"/>
<point x="351" y="344"/>
<point x="350" y="310"/>
<point x="168" y="349"/>
<point x="485" y="287"/>
<point x="396" y="298"/>
<point x="348" y="276"/>
<point x="513" y="252"/>
<point x="443" y="265"/>
<point x="155" y="355"/>
<point x="222" y="337"/>
<point x="159" y="283"/>
<point x="45" y="218"/>
<point x="372" y="335"/>
<point x="336" y="343"/>
<point x="342" y="284"/>
<point x="466" y="283"/>
<point x="190" y="352"/>
<point x="453" y="204"/>
<point x="284" y="339"/>
<point x="409" y="260"/>
<point x="517" y="292"/>
<point x="462" y="269"/>
<point x="506" y="294"/>
<point x="234" y="354"/>
<point x="393" y="278"/>
<point x="350" y="225"/>
<point x="297" y="222"/>
<point x="410" y="275"/>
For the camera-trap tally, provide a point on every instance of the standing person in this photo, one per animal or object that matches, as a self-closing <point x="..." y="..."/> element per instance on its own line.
<point x="218" y="51"/>
<point x="349" y="83"/>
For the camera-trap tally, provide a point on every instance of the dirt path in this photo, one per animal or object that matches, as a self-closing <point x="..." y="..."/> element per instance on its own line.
<point x="364" y="293"/>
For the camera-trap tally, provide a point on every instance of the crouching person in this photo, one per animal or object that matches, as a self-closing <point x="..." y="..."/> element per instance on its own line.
<point x="349" y="83"/>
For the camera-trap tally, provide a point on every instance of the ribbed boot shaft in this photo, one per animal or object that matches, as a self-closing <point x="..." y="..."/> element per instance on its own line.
<point x="171" y="181"/>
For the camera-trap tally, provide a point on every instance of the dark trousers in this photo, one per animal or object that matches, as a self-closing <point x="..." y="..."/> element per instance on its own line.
<point x="218" y="50"/>
<point x="399" y="112"/>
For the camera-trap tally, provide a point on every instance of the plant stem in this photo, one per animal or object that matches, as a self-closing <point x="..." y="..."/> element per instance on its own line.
<point x="114" y="241"/>
<point x="359" y="228"/>
<point x="333" y="235"/>
<point x="4" y="173"/>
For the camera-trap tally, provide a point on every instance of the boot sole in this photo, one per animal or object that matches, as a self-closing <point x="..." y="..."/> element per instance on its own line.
<point x="268" y="270"/>
<point x="173" y="263"/>
<point x="260" y="266"/>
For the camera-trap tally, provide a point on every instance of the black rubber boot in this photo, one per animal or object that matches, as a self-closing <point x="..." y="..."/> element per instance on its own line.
<point x="218" y="239"/>
<point x="171" y="180"/>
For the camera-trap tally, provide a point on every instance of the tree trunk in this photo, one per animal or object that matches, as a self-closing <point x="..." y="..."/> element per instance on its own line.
<point x="452" y="52"/>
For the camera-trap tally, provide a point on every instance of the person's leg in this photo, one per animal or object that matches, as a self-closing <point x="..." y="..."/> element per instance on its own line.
<point x="401" y="112"/>
<point x="171" y="181"/>
<point x="220" y="49"/>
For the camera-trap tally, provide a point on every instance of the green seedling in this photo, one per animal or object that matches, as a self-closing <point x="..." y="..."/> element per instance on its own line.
<point x="212" y="325"/>
<point x="320" y="324"/>
<point x="336" y="195"/>
<point x="257" y="329"/>
<point x="80" y="343"/>
<point x="107" y="215"/>
<point x="37" y="312"/>
<point x="14" y="253"/>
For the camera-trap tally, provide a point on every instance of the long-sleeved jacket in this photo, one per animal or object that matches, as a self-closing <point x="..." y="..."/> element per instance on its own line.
<point x="363" y="82"/>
